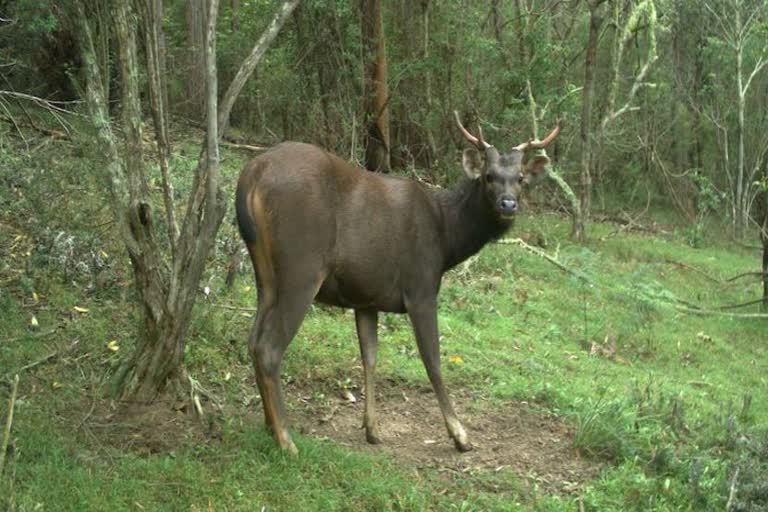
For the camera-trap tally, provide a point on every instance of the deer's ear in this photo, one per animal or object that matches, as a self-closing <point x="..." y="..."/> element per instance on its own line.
<point x="535" y="166"/>
<point x="473" y="163"/>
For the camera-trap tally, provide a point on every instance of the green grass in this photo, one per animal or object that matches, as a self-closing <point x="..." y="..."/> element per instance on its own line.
<point x="670" y="403"/>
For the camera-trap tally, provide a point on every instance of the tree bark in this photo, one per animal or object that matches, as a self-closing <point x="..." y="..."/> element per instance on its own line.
<point x="167" y="296"/>
<point x="195" y="81"/>
<point x="376" y="92"/>
<point x="151" y="13"/>
<point x="585" y="198"/>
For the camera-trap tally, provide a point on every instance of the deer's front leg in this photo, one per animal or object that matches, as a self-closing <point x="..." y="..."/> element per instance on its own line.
<point x="367" y="323"/>
<point x="423" y="317"/>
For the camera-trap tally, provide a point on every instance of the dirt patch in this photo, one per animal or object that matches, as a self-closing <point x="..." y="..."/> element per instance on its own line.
<point x="512" y="436"/>
<point x="534" y="446"/>
<point x="159" y="427"/>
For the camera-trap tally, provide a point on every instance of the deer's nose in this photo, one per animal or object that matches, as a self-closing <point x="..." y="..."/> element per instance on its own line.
<point x="507" y="205"/>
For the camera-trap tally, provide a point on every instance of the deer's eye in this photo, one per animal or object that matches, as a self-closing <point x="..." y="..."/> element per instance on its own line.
<point x="489" y="178"/>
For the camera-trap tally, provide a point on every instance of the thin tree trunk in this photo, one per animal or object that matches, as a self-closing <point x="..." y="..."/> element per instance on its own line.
<point x="376" y="93"/>
<point x="586" y="120"/>
<point x="159" y="108"/>
<point x="195" y="81"/>
<point x="741" y="215"/>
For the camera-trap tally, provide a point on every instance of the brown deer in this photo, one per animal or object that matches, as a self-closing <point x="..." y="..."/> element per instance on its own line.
<point x="320" y="229"/>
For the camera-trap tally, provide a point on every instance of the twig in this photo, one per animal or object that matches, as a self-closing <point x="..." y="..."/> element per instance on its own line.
<point x="542" y="254"/>
<point x="632" y="221"/>
<point x="732" y="493"/>
<point x="745" y="274"/>
<point x="8" y="423"/>
<point x="694" y="269"/>
<point x="33" y="334"/>
<point x="233" y="308"/>
<point x="246" y="147"/>
<point x="743" y="304"/>
<point x="710" y="312"/>
<point x="46" y="359"/>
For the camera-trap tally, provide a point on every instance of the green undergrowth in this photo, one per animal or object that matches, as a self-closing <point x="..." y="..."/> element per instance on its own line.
<point x="670" y="404"/>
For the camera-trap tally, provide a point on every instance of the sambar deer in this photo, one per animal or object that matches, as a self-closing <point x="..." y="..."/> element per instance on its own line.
<point x="320" y="229"/>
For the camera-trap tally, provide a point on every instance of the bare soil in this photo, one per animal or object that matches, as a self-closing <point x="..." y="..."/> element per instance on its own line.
<point x="508" y="438"/>
<point x="535" y="446"/>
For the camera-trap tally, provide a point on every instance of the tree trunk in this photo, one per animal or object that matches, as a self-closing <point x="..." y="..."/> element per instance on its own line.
<point x="167" y="296"/>
<point x="195" y="81"/>
<point x="152" y="17"/>
<point x="587" y="141"/>
<point x="376" y="93"/>
<point x="742" y="208"/>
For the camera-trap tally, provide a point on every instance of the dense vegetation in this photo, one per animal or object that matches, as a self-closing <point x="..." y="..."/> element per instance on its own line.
<point x="598" y="372"/>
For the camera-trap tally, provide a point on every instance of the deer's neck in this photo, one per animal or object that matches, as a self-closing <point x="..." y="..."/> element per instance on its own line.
<point x="468" y="222"/>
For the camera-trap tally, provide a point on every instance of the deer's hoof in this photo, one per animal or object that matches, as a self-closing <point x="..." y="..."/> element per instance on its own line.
<point x="463" y="446"/>
<point x="286" y="446"/>
<point x="372" y="436"/>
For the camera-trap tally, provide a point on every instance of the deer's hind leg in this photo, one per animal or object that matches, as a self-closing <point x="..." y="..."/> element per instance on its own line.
<point x="278" y="319"/>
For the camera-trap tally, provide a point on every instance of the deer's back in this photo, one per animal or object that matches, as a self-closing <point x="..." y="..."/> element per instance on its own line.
<point x="370" y="234"/>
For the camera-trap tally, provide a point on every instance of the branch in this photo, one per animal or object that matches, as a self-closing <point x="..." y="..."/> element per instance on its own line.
<point x="246" y="147"/>
<point x="742" y="305"/>
<point x="50" y="357"/>
<point x="709" y="312"/>
<point x="8" y="423"/>
<point x="159" y="109"/>
<point x="542" y="254"/>
<point x="651" y="59"/>
<point x="250" y="63"/>
<point x="732" y="493"/>
<point x="745" y="274"/>
<point x="762" y="61"/>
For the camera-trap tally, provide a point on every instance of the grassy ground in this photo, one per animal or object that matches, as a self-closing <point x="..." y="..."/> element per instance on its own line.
<point x="666" y="407"/>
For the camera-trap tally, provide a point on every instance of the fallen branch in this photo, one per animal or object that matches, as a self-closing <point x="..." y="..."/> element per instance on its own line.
<point x="233" y="308"/>
<point x="745" y="274"/>
<point x="246" y="147"/>
<point x="694" y="269"/>
<point x="743" y="304"/>
<point x="46" y="359"/>
<point x="710" y="312"/>
<point x="8" y="423"/>
<point x="542" y="254"/>
<point x="33" y="334"/>
<point x="50" y="132"/>
<point x="732" y="493"/>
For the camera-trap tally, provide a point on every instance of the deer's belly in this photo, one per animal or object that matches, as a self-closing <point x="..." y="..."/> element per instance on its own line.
<point x="352" y="293"/>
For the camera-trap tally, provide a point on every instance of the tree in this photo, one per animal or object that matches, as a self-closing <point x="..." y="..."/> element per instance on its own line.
<point x="741" y="25"/>
<point x="166" y="286"/>
<point x="195" y="78"/>
<point x="376" y="92"/>
<point x="587" y="141"/>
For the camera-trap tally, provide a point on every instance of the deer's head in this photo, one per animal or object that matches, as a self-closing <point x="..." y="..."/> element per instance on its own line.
<point x="502" y="175"/>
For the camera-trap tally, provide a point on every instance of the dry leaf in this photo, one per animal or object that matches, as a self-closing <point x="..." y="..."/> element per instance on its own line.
<point x="55" y="385"/>
<point x="33" y="322"/>
<point x="35" y="297"/>
<point x="455" y="360"/>
<point x="113" y="346"/>
<point x="349" y="397"/>
<point x="80" y="310"/>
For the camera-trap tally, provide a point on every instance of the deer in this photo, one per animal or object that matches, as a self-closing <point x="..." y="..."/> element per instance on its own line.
<point x="320" y="229"/>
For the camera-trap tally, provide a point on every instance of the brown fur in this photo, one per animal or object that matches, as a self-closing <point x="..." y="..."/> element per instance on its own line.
<point x="318" y="228"/>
